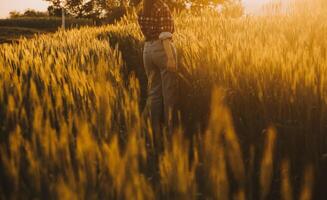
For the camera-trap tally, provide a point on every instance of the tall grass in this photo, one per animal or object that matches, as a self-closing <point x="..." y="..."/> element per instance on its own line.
<point x="253" y="117"/>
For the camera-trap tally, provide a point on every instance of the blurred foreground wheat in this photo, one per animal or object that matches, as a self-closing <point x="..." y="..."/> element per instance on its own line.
<point x="70" y="117"/>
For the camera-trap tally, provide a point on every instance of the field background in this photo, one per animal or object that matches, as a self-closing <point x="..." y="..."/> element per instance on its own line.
<point x="12" y="29"/>
<point x="253" y="112"/>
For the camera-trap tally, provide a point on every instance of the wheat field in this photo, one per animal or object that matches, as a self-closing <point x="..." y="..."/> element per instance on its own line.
<point x="253" y="120"/>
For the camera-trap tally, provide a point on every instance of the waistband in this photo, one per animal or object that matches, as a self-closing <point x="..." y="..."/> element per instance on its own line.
<point x="152" y="42"/>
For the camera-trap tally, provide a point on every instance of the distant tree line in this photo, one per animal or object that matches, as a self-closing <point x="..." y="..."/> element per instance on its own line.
<point x="112" y="10"/>
<point x="28" y="13"/>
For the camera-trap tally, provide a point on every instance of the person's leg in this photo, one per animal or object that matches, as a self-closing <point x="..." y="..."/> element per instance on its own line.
<point x="154" y="113"/>
<point x="154" y="104"/>
<point x="170" y="90"/>
<point x="170" y="98"/>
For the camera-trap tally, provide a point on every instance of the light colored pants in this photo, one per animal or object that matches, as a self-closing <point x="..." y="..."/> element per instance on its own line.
<point x="162" y="87"/>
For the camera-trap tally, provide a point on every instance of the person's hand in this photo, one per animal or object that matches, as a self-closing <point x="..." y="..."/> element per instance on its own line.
<point x="171" y="64"/>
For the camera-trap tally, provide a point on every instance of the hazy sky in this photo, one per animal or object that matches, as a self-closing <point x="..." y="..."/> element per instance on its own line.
<point x="20" y="5"/>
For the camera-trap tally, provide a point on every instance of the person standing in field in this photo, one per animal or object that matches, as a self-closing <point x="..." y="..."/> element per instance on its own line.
<point x="160" y="63"/>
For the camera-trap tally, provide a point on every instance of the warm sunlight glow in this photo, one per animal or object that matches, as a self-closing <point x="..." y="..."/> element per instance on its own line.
<point x="254" y="6"/>
<point x="7" y="6"/>
<point x="251" y="6"/>
<point x="223" y="101"/>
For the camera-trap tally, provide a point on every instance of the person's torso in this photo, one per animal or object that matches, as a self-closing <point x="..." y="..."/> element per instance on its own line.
<point x="159" y="20"/>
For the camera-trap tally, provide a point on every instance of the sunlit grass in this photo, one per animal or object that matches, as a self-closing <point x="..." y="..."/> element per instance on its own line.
<point x="71" y="127"/>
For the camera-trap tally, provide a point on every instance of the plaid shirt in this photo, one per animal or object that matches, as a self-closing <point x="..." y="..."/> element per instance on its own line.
<point x="159" y="20"/>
